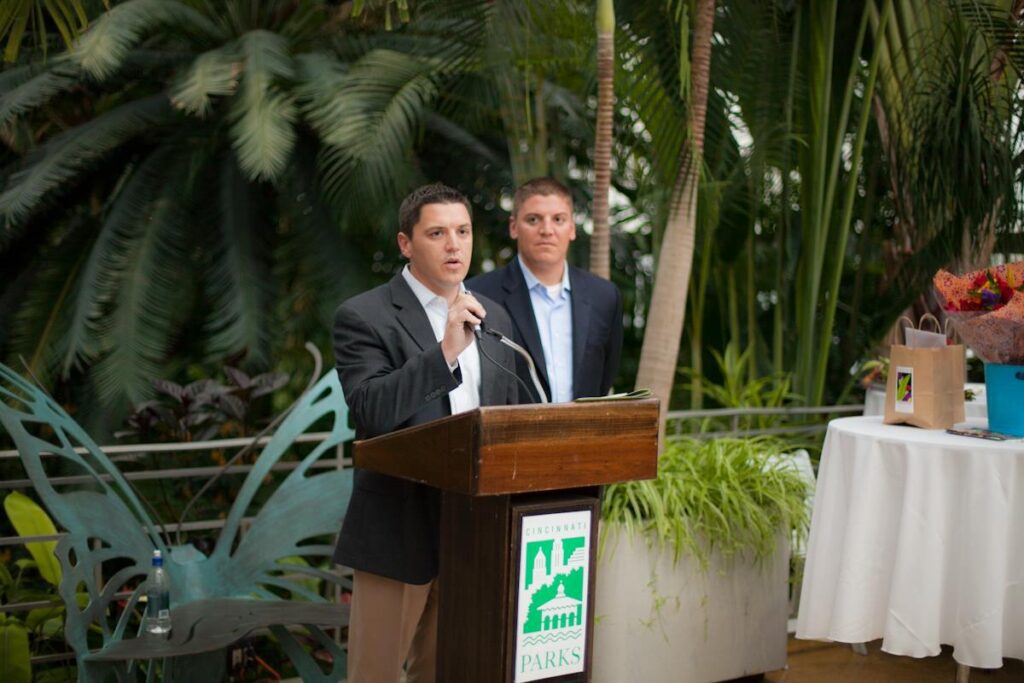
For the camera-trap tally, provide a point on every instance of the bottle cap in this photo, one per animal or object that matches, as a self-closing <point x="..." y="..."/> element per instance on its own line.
<point x="158" y="559"/>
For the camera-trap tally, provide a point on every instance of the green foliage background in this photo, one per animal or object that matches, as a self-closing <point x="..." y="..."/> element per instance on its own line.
<point x="187" y="184"/>
<point x="196" y="184"/>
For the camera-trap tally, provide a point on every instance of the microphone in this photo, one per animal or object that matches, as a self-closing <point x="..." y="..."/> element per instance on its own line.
<point x="481" y="329"/>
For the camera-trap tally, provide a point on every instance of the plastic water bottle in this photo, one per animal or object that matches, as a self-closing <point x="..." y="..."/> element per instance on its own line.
<point x="158" y="599"/>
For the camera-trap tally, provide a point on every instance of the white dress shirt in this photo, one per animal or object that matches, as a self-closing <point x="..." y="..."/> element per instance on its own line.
<point x="466" y="396"/>
<point x="552" y="309"/>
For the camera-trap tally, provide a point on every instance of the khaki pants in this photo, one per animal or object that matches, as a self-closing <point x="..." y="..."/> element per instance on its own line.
<point x="392" y="623"/>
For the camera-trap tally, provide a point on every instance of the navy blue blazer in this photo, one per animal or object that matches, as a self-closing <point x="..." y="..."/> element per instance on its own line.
<point x="394" y="376"/>
<point x="596" y="326"/>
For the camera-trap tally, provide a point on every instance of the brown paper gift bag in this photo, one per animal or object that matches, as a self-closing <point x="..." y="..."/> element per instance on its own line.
<point x="925" y="386"/>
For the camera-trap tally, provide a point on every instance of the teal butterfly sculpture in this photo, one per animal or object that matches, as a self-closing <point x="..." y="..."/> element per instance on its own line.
<point x="215" y="600"/>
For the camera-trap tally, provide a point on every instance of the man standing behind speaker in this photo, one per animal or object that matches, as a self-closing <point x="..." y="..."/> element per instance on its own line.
<point x="568" y="319"/>
<point x="406" y="354"/>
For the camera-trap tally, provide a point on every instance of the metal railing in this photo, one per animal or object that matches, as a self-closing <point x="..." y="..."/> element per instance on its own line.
<point x="171" y="449"/>
<point x="680" y="424"/>
<point x="705" y="424"/>
<point x="127" y="453"/>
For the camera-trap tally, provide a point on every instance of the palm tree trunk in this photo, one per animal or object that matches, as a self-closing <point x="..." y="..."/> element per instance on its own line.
<point x="660" y="351"/>
<point x="600" y="241"/>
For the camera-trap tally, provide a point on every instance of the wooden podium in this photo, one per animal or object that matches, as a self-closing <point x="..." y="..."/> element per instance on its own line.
<point x="519" y="513"/>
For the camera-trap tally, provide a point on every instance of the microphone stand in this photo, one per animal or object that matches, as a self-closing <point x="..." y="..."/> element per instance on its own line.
<point x="480" y="330"/>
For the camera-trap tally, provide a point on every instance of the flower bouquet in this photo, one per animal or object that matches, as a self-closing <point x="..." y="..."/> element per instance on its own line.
<point x="986" y="308"/>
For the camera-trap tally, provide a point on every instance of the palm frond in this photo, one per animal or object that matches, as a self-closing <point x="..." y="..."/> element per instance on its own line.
<point x="13" y="76"/>
<point x="357" y="187"/>
<point x="748" y="66"/>
<point x="65" y="156"/>
<point x="336" y="269"/>
<point x="139" y="331"/>
<point x="370" y="122"/>
<point x="384" y="6"/>
<point x="263" y="133"/>
<point x="103" y="47"/>
<point x="305" y="20"/>
<point x="382" y="100"/>
<point x="473" y="101"/>
<point x="462" y="137"/>
<point x="648" y="78"/>
<point x="319" y="78"/>
<point x="239" y="274"/>
<point x="39" y="335"/>
<point x="19" y="280"/>
<point x="1002" y="29"/>
<point x="28" y="87"/>
<point x="99" y="280"/>
<point x="961" y="153"/>
<point x="212" y="74"/>
<point x="16" y="16"/>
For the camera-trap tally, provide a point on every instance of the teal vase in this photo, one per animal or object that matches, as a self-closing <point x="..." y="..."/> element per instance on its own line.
<point x="1004" y="393"/>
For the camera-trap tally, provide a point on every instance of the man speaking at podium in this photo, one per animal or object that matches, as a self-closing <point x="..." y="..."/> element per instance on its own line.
<point x="406" y="354"/>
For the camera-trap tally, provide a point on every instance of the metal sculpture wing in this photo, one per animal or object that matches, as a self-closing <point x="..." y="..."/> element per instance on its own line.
<point x="108" y="526"/>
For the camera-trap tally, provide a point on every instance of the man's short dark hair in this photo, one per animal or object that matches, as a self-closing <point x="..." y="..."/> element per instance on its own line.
<point x="539" y="186"/>
<point x="435" y="193"/>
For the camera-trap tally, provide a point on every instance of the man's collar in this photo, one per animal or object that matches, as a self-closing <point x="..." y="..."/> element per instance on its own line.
<point x="423" y="293"/>
<point x="532" y="281"/>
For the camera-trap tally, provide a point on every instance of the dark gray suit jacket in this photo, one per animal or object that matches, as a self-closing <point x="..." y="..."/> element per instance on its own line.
<point x="596" y="326"/>
<point x="394" y="375"/>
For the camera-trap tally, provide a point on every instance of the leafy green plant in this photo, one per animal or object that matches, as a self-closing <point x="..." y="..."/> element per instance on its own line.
<point x="733" y="496"/>
<point x="737" y="390"/>
<point x="35" y="579"/>
<point x="202" y="409"/>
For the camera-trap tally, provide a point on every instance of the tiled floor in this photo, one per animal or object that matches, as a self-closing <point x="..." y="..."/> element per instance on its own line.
<point x="816" y="662"/>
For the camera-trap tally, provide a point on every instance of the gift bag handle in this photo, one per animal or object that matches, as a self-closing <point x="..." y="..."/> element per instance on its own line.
<point x="944" y="328"/>
<point x="903" y="328"/>
<point x="929" y="316"/>
<point x="939" y="327"/>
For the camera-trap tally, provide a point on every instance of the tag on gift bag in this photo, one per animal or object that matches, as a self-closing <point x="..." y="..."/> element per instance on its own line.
<point x="926" y="382"/>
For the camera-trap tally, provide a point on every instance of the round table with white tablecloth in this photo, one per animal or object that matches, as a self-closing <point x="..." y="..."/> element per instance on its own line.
<point x="917" y="538"/>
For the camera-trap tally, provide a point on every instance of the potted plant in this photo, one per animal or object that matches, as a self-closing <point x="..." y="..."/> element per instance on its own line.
<point x="694" y="565"/>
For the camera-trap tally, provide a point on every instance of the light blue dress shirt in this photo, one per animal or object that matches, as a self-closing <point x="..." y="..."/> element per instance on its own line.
<point x="552" y="309"/>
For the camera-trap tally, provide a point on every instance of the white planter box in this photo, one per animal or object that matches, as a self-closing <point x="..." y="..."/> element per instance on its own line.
<point x="657" y="621"/>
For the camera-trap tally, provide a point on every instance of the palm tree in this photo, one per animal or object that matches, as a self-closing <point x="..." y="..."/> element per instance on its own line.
<point x="811" y="120"/>
<point x="600" y="239"/>
<point x="188" y="170"/>
<point x="948" y="112"/>
<point x="660" y="351"/>
<point x="774" y="86"/>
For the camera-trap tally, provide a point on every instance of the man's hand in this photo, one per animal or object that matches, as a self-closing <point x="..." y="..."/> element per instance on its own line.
<point x="463" y="314"/>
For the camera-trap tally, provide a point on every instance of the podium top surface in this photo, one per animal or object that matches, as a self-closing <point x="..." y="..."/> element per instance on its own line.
<point x="502" y="450"/>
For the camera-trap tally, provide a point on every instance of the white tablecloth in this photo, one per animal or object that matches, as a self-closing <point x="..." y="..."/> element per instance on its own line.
<point x="917" y="538"/>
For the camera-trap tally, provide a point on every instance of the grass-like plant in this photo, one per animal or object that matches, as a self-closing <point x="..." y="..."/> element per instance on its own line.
<point x="733" y="496"/>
